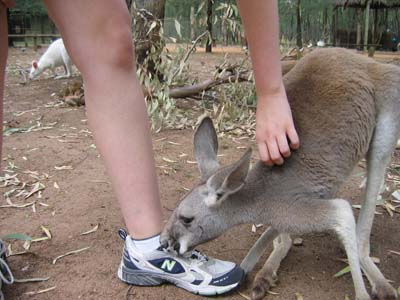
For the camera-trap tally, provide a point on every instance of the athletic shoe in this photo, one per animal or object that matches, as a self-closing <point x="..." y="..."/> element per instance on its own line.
<point x="5" y="272"/>
<point x="193" y="272"/>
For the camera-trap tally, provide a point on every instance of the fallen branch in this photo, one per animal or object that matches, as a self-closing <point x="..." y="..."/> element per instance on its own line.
<point x="195" y="89"/>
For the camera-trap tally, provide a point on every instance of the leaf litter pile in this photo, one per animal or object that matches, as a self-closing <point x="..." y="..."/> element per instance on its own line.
<point x="24" y="189"/>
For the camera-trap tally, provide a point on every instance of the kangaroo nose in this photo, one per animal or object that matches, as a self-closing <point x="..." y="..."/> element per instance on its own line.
<point x="177" y="247"/>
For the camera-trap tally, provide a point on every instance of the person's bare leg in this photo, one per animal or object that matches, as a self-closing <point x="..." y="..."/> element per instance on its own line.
<point x="97" y="35"/>
<point x="3" y="60"/>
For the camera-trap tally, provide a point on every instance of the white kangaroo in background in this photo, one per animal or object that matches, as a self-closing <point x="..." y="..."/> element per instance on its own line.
<point x="55" y="56"/>
<point x="345" y="106"/>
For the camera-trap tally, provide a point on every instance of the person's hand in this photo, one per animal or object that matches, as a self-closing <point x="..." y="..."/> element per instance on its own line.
<point x="7" y="3"/>
<point x="274" y="126"/>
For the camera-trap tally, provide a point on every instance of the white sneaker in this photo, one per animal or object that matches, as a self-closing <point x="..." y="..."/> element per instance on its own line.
<point x="5" y="272"/>
<point x="193" y="272"/>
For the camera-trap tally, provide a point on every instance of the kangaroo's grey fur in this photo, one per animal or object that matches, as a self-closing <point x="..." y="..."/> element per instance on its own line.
<point x="345" y="106"/>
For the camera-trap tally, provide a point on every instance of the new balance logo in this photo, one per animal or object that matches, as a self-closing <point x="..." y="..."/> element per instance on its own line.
<point x="168" y="265"/>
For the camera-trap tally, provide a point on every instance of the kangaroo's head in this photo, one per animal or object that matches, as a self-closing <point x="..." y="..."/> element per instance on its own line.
<point x="204" y="212"/>
<point x="35" y="70"/>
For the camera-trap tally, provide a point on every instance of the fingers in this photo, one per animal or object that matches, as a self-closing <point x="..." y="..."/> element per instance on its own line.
<point x="283" y="145"/>
<point x="293" y="137"/>
<point x="264" y="154"/>
<point x="269" y="153"/>
<point x="273" y="151"/>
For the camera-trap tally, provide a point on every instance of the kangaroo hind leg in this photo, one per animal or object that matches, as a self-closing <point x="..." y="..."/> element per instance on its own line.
<point x="384" y="141"/>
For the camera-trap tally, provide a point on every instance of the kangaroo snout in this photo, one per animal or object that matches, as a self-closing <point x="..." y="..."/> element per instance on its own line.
<point x="169" y="240"/>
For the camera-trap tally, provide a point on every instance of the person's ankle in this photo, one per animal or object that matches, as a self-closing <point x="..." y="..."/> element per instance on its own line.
<point x="145" y="245"/>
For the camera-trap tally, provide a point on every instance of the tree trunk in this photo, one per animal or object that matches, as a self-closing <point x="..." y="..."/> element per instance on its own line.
<point x="358" y="17"/>
<point x="334" y="26"/>
<point x="325" y="32"/>
<point x="192" y="24"/>
<point x="374" y="26"/>
<point x="224" y="33"/>
<point x="299" y="41"/>
<point x="209" y="26"/>
<point x="366" y="26"/>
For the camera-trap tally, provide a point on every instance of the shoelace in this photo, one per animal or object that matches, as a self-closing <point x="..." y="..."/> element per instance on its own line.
<point x="5" y="273"/>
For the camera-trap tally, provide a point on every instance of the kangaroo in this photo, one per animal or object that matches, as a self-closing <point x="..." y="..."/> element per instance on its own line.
<point x="55" y="56"/>
<point x="345" y="106"/>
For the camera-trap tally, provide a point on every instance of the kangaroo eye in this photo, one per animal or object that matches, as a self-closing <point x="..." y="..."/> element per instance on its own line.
<point x="186" y="220"/>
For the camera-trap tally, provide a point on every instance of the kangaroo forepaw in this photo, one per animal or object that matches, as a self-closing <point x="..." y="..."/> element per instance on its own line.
<point x="384" y="291"/>
<point x="262" y="285"/>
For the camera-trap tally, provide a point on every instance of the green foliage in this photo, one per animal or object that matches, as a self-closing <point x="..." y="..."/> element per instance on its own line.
<point x="17" y="236"/>
<point x="157" y="72"/>
<point x="32" y="7"/>
<point x="226" y="18"/>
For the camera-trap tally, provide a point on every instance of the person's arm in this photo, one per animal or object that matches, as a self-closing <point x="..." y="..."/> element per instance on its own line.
<point x="274" y="117"/>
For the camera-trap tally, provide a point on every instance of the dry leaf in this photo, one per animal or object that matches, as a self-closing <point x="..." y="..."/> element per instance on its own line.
<point x="69" y="253"/>
<point x="27" y="245"/>
<point x="173" y="143"/>
<point x="40" y="239"/>
<point x="168" y="160"/>
<point x="299" y="296"/>
<point x="31" y="280"/>
<point x="17" y="205"/>
<point x="298" y="242"/>
<point x="244" y="296"/>
<point x="63" y="168"/>
<point x="94" y="229"/>
<point x="272" y="293"/>
<point x="36" y="188"/>
<point x="396" y="195"/>
<point x="46" y="231"/>
<point x="394" y="252"/>
<point x="40" y="291"/>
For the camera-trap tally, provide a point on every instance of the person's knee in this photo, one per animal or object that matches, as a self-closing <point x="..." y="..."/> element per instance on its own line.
<point x="119" y="52"/>
<point x="111" y="50"/>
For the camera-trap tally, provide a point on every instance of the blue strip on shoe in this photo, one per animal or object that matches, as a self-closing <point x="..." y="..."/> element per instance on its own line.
<point x="232" y="277"/>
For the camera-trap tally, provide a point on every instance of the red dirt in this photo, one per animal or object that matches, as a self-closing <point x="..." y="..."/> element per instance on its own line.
<point x="84" y="198"/>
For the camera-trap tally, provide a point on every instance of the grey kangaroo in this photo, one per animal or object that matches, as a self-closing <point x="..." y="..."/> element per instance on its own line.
<point x="345" y="107"/>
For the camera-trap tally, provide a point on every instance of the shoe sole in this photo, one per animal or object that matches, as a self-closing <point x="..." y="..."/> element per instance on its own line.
<point x="144" y="278"/>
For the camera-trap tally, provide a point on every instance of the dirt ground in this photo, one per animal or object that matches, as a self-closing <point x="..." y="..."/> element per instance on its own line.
<point x="78" y="196"/>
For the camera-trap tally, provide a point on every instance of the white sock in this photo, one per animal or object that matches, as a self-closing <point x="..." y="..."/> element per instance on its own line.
<point x="147" y="245"/>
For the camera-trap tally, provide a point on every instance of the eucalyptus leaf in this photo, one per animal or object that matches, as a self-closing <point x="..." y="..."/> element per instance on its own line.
<point x="342" y="272"/>
<point x="17" y="236"/>
<point x="178" y="28"/>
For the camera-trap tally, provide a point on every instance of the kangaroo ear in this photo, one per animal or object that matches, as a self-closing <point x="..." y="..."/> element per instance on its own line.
<point x="237" y="178"/>
<point x="35" y="64"/>
<point x="206" y="148"/>
<point x="228" y="180"/>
